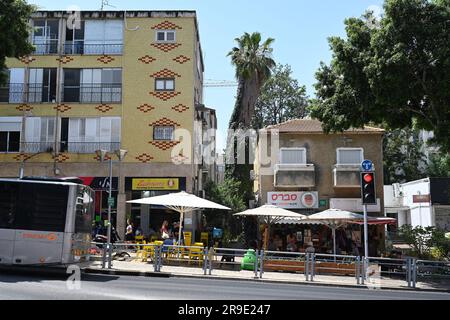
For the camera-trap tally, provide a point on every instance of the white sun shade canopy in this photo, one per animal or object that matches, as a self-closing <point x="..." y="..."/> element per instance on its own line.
<point x="271" y="212"/>
<point x="184" y="200"/>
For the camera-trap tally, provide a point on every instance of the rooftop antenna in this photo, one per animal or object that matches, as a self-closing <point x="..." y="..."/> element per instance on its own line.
<point x="106" y="3"/>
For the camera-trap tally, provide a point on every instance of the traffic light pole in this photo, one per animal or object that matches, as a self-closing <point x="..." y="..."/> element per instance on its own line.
<point x="366" y="242"/>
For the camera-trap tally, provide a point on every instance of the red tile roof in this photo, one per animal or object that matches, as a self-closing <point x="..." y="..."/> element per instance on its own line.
<point x="315" y="126"/>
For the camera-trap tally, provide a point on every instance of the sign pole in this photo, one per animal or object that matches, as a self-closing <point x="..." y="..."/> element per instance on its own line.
<point x="366" y="241"/>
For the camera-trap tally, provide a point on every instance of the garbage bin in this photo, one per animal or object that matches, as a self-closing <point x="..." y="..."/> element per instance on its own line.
<point x="248" y="263"/>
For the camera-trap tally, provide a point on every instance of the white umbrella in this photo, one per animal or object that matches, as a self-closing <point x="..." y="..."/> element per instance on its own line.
<point x="181" y="202"/>
<point x="271" y="213"/>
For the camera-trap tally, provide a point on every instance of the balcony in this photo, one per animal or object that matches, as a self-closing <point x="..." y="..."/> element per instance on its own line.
<point x="87" y="48"/>
<point x="77" y="47"/>
<point x="88" y="147"/>
<point x="37" y="147"/>
<point x="294" y="175"/>
<point x="93" y="93"/>
<point x="46" y="47"/>
<point x="31" y="93"/>
<point x="346" y="176"/>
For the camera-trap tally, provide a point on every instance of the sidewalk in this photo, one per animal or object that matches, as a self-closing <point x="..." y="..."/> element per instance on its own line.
<point x="147" y="269"/>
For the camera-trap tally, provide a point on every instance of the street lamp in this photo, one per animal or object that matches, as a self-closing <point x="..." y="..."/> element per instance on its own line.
<point x="103" y="156"/>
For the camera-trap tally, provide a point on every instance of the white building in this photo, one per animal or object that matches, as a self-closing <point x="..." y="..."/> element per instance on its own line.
<point x="424" y="202"/>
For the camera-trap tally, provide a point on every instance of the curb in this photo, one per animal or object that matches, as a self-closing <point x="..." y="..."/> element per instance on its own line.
<point x="127" y="273"/>
<point x="170" y="275"/>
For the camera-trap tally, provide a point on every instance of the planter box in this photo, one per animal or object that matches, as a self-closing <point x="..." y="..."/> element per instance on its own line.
<point x="329" y="268"/>
<point x="284" y="265"/>
<point x="335" y="268"/>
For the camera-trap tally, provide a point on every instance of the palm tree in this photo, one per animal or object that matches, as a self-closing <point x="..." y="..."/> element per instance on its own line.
<point x="254" y="63"/>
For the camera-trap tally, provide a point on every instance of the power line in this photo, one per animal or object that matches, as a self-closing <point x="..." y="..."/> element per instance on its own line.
<point x="219" y="83"/>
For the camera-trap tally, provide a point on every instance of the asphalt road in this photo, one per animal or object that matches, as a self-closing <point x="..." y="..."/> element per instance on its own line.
<point x="106" y="287"/>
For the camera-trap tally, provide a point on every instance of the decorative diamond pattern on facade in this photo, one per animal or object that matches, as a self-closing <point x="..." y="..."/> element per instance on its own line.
<point x="180" y="108"/>
<point x="61" y="157"/>
<point x="165" y="73"/>
<point x="105" y="59"/>
<point x="166" y="47"/>
<point x="164" y="122"/>
<point x="107" y="157"/>
<point x="104" y="108"/>
<point x="145" y="108"/>
<point x="62" y="107"/>
<point x="144" y="157"/>
<point x="164" y="145"/>
<point x="164" y="95"/>
<point x="146" y="59"/>
<point x="65" y="59"/>
<point x="24" y="107"/>
<point x="180" y="159"/>
<point x="22" y="157"/>
<point x="27" y="59"/>
<point x="181" y="59"/>
<point x="166" y="25"/>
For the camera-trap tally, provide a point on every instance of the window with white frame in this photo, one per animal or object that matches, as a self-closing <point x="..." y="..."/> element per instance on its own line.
<point x="39" y="134"/>
<point x="163" y="84"/>
<point x="10" y="128"/>
<point x="349" y="156"/>
<point x="163" y="132"/>
<point x="165" y="36"/>
<point x="85" y="135"/>
<point x="292" y="156"/>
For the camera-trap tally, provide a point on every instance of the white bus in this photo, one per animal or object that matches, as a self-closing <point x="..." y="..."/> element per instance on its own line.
<point x="45" y="221"/>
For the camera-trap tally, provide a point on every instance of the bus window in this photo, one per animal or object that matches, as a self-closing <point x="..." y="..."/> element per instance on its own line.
<point x="8" y="194"/>
<point x="84" y="210"/>
<point x="42" y="207"/>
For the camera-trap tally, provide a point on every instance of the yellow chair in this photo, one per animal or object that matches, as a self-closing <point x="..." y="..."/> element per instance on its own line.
<point x="196" y="253"/>
<point x="142" y="252"/>
<point x="204" y="237"/>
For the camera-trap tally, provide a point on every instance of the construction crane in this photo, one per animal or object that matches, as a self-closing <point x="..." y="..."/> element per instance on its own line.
<point x="219" y="83"/>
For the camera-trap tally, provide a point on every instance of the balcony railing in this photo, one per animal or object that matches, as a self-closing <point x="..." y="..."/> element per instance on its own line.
<point x="346" y="175"/>
<point x="37" y="147"/>
<point x="72" y="147"/>
<point x="46" y="47"/>
<point x="51" y="46"/>
<point x="92" y="93"/>
<point x="294" y="175"/>
<point x="31" y="92"/>
<point x="88" y="147"/>
<point x="85" y="47"/>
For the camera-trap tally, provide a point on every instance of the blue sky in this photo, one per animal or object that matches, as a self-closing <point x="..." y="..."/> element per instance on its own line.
<point x="300" y="29"/>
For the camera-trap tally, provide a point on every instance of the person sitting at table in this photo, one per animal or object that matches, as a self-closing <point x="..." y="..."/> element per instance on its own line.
<point x="165" y="230"/>
<point x="291" y="241"/>
<point x="278" y="242"/>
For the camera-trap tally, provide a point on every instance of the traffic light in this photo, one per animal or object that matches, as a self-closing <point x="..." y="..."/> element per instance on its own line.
<point x="368" y="188"/>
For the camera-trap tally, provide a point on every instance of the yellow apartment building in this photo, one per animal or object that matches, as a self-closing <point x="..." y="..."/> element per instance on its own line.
<point x="109" y="80"/>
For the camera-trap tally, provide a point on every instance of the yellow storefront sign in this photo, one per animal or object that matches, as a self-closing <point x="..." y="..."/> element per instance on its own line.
<point x="155" y="184"/>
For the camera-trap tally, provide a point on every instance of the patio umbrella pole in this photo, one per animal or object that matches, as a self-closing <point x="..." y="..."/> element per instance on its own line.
<point x="334" y="242"/>
<point x="179" y="227"/>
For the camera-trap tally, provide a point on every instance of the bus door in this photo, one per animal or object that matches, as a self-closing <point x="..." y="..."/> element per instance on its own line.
<point x="7" y="232"/>
<point x="6" y="245"/>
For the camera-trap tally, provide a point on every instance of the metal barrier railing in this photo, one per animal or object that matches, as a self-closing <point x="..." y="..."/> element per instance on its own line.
<point x="308" y="264"/>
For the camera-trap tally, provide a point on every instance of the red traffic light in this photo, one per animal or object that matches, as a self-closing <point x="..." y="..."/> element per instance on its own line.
<point x="368" y="178"/>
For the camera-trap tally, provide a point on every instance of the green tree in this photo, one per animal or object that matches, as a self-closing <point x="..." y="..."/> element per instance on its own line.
<point x="253" y="62"/>
<point x="426" y="243"/>
<point x="402" y="156"/>
<point x="395" y="71"/>
<point x="228" y="194"/>
<point x="439" y="165"/>
<point x="281" y="99"/>
<point x="14" y="32"/>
